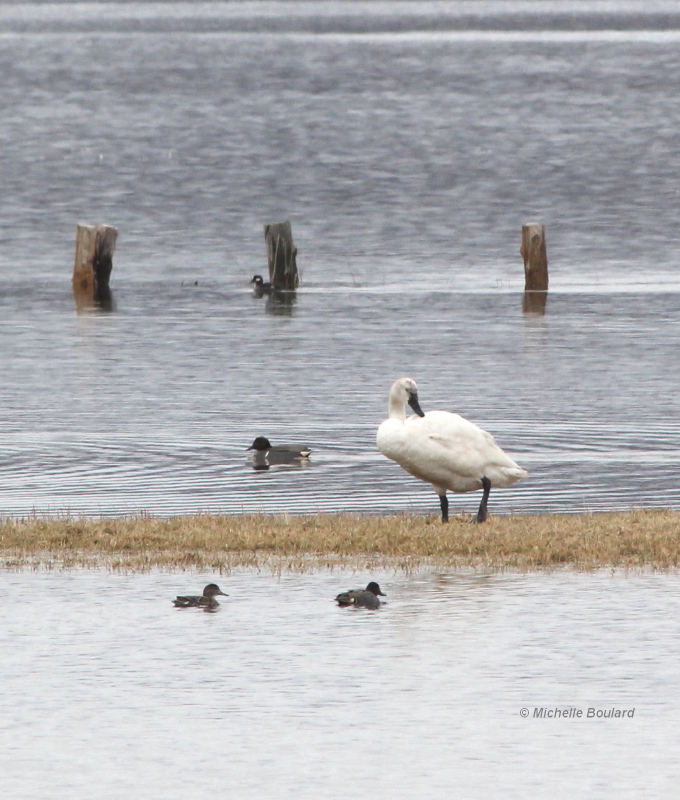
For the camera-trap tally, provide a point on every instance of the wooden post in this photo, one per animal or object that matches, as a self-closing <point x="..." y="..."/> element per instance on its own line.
<point x="94" y="261"/>
<point x="534" y="302"/>
<point x="281" y="253"/>
<point x="535" y="257"/>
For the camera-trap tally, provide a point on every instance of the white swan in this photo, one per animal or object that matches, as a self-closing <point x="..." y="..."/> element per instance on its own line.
<point x="443" y="449"/>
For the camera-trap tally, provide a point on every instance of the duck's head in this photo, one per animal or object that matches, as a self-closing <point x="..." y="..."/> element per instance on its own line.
<point x="373" y="588"/>
<point x="213" y="589"/>
<point x="258" y="280"/>
<point x="261" y="444"/>
<point x="405" y="390"/>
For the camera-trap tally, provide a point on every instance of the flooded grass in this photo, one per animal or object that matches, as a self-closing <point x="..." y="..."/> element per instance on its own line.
<point x="631" y="540"/>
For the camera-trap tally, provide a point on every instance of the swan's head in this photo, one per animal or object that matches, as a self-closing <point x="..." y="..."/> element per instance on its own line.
<point x="405" y="391"/>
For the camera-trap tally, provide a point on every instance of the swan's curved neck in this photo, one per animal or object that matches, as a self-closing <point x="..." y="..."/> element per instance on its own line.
<point x="397" y="409"/>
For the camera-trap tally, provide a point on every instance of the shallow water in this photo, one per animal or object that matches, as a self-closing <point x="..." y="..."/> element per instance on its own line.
<point x="282" y="694"/>
<point x="406" y="144"/>
<point x="153" y="411"/>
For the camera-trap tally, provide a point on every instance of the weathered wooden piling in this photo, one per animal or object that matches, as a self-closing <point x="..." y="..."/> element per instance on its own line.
<point x="533" y="251"/>
<point x="93" y="264"/>
<point x="535" y="257"/>
<point x="281" y="256"/>
<point x="534" y="302"/>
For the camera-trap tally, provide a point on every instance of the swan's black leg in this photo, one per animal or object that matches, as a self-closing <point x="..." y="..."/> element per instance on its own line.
<point x="481" y="514"/>
<point x="444" y="503"/>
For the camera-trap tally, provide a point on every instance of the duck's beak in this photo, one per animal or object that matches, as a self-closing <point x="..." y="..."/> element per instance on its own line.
<point x="415" y="405"/>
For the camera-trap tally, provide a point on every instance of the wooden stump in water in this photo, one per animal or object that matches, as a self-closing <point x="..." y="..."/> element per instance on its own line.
<point x="534" y="302"/>
<point x="94" y="261"/>
<point x="535" y="257"/>
<point x="281" y="253"/>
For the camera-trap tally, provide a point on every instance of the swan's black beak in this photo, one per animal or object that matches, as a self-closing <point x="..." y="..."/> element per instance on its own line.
<point x="415" y="405"/>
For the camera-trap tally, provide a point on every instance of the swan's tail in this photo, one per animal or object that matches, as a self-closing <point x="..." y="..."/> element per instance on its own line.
<point x="504" y="476"/>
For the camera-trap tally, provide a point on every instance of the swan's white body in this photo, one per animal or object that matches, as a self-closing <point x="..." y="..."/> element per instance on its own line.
<point x="443" y="449"/>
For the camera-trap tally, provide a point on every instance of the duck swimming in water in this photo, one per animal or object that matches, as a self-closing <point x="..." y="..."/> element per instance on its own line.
<point x="266" y="454"/>
<point x="206" y="600"/>
<point x="443" y="449"/>
<point x="260" y="287"/>
<point x="361" y="598"/>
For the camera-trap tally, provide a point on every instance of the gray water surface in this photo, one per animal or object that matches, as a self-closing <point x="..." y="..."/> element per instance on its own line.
<point x="108" y="689"/>
<point x="152" y="408"/>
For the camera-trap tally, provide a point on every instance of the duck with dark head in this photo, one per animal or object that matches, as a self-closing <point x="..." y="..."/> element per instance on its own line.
<point x="206" y="600"/>
<point x="262" y="287"/>
<point x="265" y="454"/>
<point x="361" y="598"/>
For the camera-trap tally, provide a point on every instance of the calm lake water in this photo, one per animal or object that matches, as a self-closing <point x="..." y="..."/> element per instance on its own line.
<point x="108" y="689"/>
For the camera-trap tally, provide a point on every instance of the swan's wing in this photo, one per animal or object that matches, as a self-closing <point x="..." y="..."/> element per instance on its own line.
<point x="453" y="441"/>
<point x="476" y="437"/>
<point x="455" y="434"/>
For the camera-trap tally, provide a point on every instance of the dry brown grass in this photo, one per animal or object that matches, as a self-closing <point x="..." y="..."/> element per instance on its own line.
<point x="633" y="540"/>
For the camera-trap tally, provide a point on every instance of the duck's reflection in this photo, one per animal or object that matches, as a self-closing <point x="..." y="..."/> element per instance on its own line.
<point x="261" y="462"/>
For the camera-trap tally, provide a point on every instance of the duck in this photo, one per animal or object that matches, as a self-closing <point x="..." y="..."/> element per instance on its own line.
<point x="266" y="452"/>
<point x="361" y="598"/>
<point x="261" y="287"/>
<point x="206" y="600"/>
<point x="443" y="449"/>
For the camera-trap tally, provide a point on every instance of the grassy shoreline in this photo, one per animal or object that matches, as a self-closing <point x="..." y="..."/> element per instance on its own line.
<point x="630" y="540"/>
